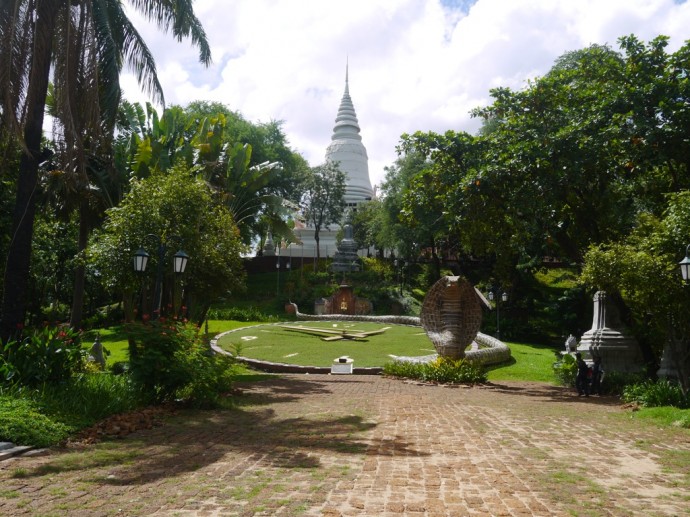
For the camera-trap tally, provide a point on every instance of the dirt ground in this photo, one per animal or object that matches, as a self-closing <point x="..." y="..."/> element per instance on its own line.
<point x="367" y="445"/>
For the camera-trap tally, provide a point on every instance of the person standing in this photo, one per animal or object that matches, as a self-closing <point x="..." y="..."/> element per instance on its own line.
<point x="582" y="379"/>
<point x="597" y="375"/>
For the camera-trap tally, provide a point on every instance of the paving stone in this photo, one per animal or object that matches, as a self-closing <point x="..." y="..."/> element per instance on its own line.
<point x="366" y="446"/>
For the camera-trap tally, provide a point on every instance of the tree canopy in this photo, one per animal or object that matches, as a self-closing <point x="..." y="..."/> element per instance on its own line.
<point x="81" y="47"/>
<point x="570" y="160"/>
<point x="170" y="204"/>
<point x="323" y="202"/>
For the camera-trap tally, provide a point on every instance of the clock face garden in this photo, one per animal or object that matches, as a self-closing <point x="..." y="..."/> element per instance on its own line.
<point x="278" y="344"/>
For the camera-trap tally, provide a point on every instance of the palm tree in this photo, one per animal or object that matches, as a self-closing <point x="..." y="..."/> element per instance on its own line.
<point x="247" y="192"/>
<point x="84" y="44"/>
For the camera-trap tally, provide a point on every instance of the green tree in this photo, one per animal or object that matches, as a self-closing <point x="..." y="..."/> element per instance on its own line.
<point x="268" y="143"/>
<point x="170" y="204"/>
<point x="201" y="136"/>
<point x="569" y="161"/>
<point x="367" y="224"/>
<point x="323" y="203"/>
<point x="84" y="45"/>
<point x="53" y="254"/>
<point x="643" y="271"/>
<point x="247" y="192"/>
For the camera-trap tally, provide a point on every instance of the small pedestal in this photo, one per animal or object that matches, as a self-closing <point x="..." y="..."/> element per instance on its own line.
<point x="342" y="365"/>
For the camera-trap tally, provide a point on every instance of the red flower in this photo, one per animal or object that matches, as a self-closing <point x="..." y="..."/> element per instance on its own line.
<point x="20" y="326"/>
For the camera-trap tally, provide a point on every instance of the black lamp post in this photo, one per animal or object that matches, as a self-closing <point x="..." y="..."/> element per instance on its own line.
<point x="399" y="270"/>
<point x="278" y="277"/>
<point x="141" y="258"/>
<point x="504" y="297"/>
<point x="685" y="265"/>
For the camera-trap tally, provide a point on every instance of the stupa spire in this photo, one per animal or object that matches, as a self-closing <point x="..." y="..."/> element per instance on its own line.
<point x="346" y="148"/>
<point x="347" y="75"/>
<point x="346" y="123"/>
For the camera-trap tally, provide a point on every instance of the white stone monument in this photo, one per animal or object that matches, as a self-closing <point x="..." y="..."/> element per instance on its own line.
<point x="347" y="150"/>
<point x="607" y="339"/>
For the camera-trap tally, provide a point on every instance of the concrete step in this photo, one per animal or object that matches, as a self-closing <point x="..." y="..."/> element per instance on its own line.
<point x="14" y="451"/>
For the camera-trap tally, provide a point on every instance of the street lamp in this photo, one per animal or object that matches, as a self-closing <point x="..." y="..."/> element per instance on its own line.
<point x="141" y="258"/>
<point x="400" y="269"/>
<point x="504" y="298"/>
<point x="685" y="265"/>
<point x="288" y="266"/>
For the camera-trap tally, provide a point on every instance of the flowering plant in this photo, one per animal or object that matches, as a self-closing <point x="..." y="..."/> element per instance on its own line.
<point x="52" y="353"/>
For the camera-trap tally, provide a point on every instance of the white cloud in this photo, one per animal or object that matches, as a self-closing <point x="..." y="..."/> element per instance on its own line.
<point x="414" y="64"/>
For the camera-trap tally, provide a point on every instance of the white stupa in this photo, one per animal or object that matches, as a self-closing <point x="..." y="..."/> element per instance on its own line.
<point x="347" y="150"/>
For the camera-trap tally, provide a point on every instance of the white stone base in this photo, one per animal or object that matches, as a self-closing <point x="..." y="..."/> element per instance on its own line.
<point x="341" y="367"/>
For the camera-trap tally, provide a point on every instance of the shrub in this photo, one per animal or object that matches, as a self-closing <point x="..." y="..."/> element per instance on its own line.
<point x="119" y="367"/>
<point x="88" y="398"/>
<point x="441" y="370"/>
<point x="22" y="422"/>
<point x="239" y="314"/>
<point x="104" y="317"/>
<point x="50" y="354"/>
<point x="565" y="370"/>
<point x="656" y="394"/>
<point x="214" y="376"/>
<point x="615" y="383"/>
<point x="171" y="361"/>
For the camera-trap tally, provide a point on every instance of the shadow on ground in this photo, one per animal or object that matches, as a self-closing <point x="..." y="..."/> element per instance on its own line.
<point x="250" y="434"/>
<point x="549" y="393"/>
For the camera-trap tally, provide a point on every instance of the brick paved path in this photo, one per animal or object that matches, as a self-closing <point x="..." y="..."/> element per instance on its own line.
<point x="363" y="445"/>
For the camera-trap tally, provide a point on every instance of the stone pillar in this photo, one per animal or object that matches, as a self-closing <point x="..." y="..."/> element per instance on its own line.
<point x="607" y="339"/>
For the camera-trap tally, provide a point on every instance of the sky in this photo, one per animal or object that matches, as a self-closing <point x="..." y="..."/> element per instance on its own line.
<point x="414" y="65"/>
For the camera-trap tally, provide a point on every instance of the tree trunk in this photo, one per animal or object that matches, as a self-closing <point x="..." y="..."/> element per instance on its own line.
<point x="80" y="269"/>
<point x="16" y="275"/>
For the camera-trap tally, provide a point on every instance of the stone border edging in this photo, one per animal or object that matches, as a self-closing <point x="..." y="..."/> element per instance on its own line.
<point x="495" y="352"/>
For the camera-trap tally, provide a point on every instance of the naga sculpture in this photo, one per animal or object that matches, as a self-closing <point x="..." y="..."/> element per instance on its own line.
<point x="451" y="316"/>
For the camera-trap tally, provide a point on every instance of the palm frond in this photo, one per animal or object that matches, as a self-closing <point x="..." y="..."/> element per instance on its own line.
<point x="178" y="17"/>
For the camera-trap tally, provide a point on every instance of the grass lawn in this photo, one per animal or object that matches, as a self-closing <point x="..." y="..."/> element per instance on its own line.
<point x="273" y="343"/>
<point x="528" y="363"/>
<point x="114" y="339"/>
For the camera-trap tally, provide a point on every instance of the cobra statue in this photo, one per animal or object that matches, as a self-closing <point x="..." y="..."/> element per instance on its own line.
<point x="451" y="316"/>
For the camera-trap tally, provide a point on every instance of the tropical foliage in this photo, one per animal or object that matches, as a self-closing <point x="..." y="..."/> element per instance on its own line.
<point x="81" y="47"/>
<point x="172" y="362"/>
<point x="181" y="210"/>
<point x="593" y="154"/>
